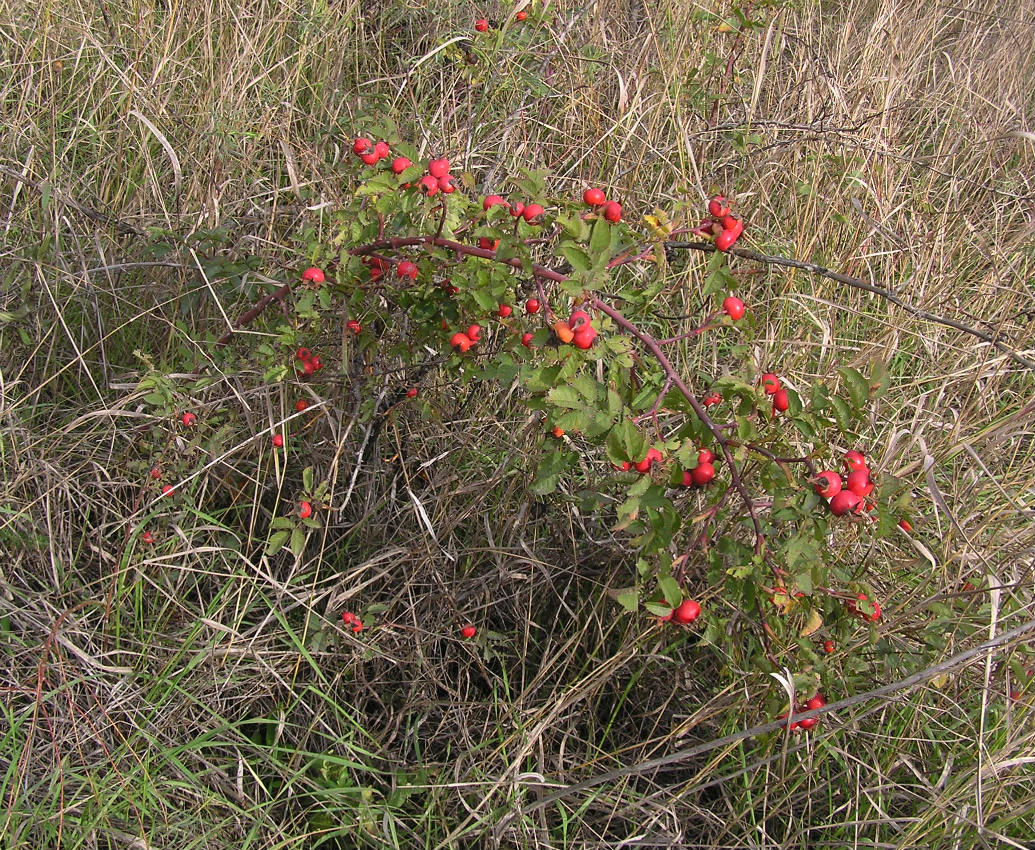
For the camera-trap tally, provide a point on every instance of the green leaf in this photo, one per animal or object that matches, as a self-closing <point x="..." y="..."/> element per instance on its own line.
<point x="565" y="396"/>
<point x="307" y="479"/>
<point x="276" y="542"/>
<point x="629" y="599"/>
<point x="578" y="258"/>
<point x="600" y="240"/>
<point x="842" y="413"/>
<point x="670" y="590"/>
<point x="858" y="386"/>
<point x="298" y="542"/>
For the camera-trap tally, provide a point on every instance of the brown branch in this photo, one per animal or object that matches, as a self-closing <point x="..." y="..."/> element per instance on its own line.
<point x="670" y="372"/>
<point x="856" y="283"/>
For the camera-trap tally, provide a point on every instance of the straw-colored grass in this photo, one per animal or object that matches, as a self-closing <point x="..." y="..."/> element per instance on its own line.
<point x="197" y="693"/>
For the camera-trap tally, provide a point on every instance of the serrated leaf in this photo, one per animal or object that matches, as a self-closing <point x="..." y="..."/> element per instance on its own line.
<point x="670" y="590"/>
<point x="600" y="240"/>
<point x="629" y="599"/>
<point x="298" y="542"/>
<point x="578" y="258"/>
<point x="277" y="541"/>
<point x="565" y="396"/>
<point x="307" y="479"/>
<point x="842" y="413"/>
<point x="858" y="386"/>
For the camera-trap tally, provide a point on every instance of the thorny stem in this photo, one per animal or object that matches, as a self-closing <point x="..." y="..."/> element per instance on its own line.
<point x="670" y="371"/>
<point x="856" y="283"/>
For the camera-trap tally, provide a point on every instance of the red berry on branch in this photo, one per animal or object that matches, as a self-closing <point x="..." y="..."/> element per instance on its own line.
<point x="521" y="15"/>
<point x="828" y="484"/>
<point x="474" y="333"/>
<point x="481" y="25"/>
<point x="304" y="354"/>
<point x="428" y="185"/>
<point x="532" y="305"/>
<point x="314" y="275"/>
<point x="353" y="326"/>
<point x="526" y="340"/>
<point x="189" y="419"/>
<point x="504" y="311"/>
<point x="859" y="482"/>
<point x="278" y="440"/>
<point x="687" y="611"/>
<point x="369" y="158"/>
<point x="407" y="269"/>
<point x="712" y="399"/>
<point x="829" y="647"/>
<point x="156" y="473"/>
<point x="468" y="631"/>
<point x="717" y="207"/>
<point x="531" y="213"/>
<point x="438" y="167"/>
<point x="411" y="392"/>
<point x="855" y="460"/>
<point x="845" y="501"/>
<point x="770" y="383"/>
<point x="613" y="212"/>
<point x="781" y="401"/>
<point x="301" y="405"/>
<point x="446" y="184"/>
<point x="400" y="164"/>
<point x="594" y="197"/>
<point x="702" y="474"/>
<point x="361" y="146"/>
<point x="382" y="149"/>
<point x="305" y="510"/>
<point x="734" y="307"/>
<point x="167" y="489"/>
<point x="492" y="201"/>
<point x="461" y="342"/>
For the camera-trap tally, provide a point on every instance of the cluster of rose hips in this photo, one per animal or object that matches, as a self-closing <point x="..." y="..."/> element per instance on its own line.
<point x="683" y="614"/>
<point x="610" y="210"/>
<point x="771" y="385"/>
<point x="531" y="213"/>
<point x="463" y="341"/>
<point x="370" y="152"/>
<point x="702" y="474"/>
<point x="353" y="620"/>
<point x="816" y="702"/>
<point x="848" y="494"/>
<point x="309" y="362"/>
<point x="482" y="24"/>
<point x="724" y="226"/>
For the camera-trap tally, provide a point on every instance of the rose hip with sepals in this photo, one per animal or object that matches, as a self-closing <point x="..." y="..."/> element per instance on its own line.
<point x="189" y="419"/>
<point x="492" y="201"/>
<point x="353" y="326"/>
<point x="717" y="207"/>
<point x="361" y="145"/>
<point x="314" y="275"/>
<point x="532" y="212"/>
<point x="526" y="339"/>
<point x="382" y="149"/>
<point x="855" y="460"/>
<point x="474" y="333"/>
<point x="428" y="185"/>
<point x="828" y="483"/>
<point x="770" y="383"/>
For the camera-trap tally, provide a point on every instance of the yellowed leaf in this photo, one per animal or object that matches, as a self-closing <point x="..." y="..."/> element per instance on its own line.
<point x="813" y="625"/>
